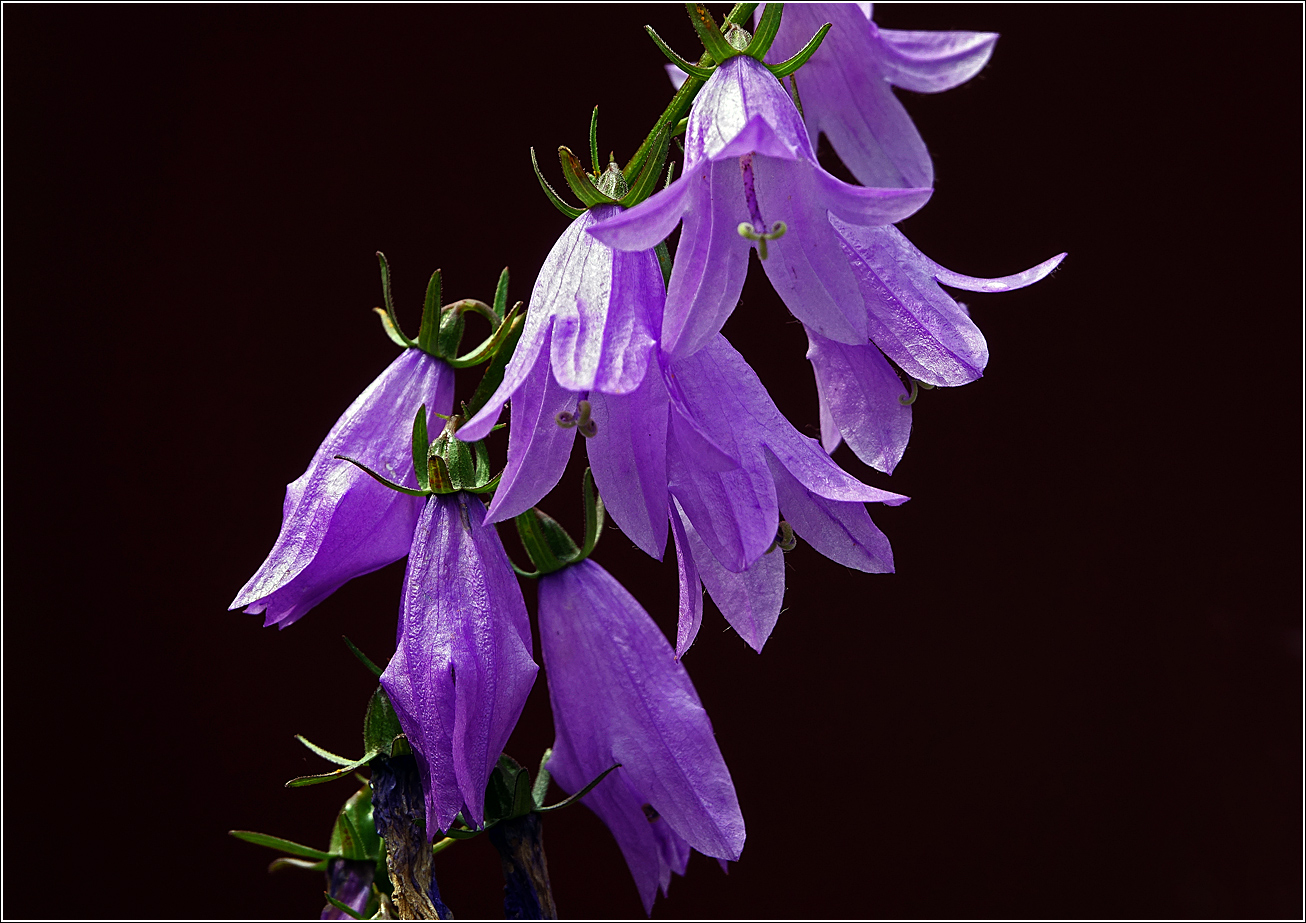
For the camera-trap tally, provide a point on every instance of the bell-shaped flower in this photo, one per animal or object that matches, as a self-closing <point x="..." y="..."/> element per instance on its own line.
<point x="350" y="882"/>
<point x="337" y="522"/>
<point x="735" y="465"/>
<point x="462" y="667"/>
<point x="751" y="179"/>
<point x="619" y="696"/>
<point x="845" y="87"/>
<point x="589" y="337"/>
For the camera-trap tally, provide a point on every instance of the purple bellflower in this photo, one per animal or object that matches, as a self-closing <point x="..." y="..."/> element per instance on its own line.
<point x="749" y="161"/>
<point x="350" y="882"/>
<point x="462" y="667"/>
<point x="845" y="88"/>
<point x="619" y="696"/>
<point x="912" y="321"/>
<point x="337" y="522"/>
<point x="590" y="336"/>
<point x="734" y="466"/>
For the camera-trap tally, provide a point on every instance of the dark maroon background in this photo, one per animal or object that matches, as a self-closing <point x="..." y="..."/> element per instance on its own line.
<point x="1081" y="693"/>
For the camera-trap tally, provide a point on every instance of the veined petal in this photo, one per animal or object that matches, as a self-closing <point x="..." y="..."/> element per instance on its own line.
<point x="743" y="109"/>
<point x="711" y="261"/>
<point x="462" y="668"/>
<point x="648" y="223"/>
<point x="750" y="600"/>
<point x="931" y="62"/>
<point x="806" y="266"/>
<point x="620" y="696"/>
<point x="860" y="401"/>
<point x="633" y="319"/>
<point x="866" y="204"/>
<point x="628" y="455"/>
<point x="538" y="448"/>
<point x="1000" y="284"/>
<point x="338" y="523"/>
<point x="910" y="318"/>
<point x="534" y="340"/>
<point x="846" y="96"/>
<point x="842" y="531"/>
<point x="691" y="588"/>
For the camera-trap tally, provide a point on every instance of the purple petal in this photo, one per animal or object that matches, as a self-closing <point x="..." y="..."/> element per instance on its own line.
<point x="743" y="109"/>
<point x="859" y="394"/>
<point x="350" y="882"/>
<point x="691" y="590"/>
<point x="841" y="531"/>
<point x="711" y="261"/>
<point x="538" y="448"/>
<point x="648" y="223"/>
<point x="751" y="600"/>
<point x="868" y="205"/>
<point x="620" y="696"/>
<point x="628" y="455"/>
<point x="846" y="96"/>
<point x="931" y="62"/>
<point x="338" y="523"/>
<point x="806" y="266"/>
<point x="911" y="319"/>
<point x="534" y="339"/>
<point x="675" y="75"/>
<point x="462" y="667"/>
<point x="1000" y="284"/>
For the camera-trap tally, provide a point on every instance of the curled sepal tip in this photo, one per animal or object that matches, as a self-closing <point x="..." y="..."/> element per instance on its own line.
<point x="579" y="181"/>
<point x="785" y="68"/>
<point x="548" y="545"/>
<point x="572" y="799"/>
<point x="382" y="479"/>
<point x="570" y="211"/>
<point x="693" y="70"/>
<point x="388" y="319"/>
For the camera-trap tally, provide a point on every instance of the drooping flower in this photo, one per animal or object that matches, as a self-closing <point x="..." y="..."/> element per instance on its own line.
<point x="845" y="88"/>
<point x="914" y="322"/>
<point x="734" y="466"/>
<point x="589" y="337"/>
<point x="619" y="696"/>
<point x="751" y="179"/>
<point x="350" y="882"/>
<point x="337" y="522"/>
<point x="462" y="667"/>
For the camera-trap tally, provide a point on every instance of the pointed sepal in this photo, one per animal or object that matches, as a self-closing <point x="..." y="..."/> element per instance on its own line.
<point x="581" y="185"/>
<point x="710" y="33"/>
<point x="388" y="318"/>
<point x="693" y="70"/>
<point x="569" y="210"/>
<point x="785" y="68"/>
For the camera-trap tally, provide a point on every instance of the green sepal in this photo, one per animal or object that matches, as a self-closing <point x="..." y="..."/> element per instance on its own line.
<point x="343" y="907"/>
<point x="767" y="27"/>
<point x="664" y="261"/>
<point x="324" y="753"/>
<point x="741" y="13"/>
<point x="493" y="375"/>
<point x="363" y="658"/>
<point x="508" y="793"/>
<point x="386" y="481"/>
<point x="391" y="330"/>
<point x="421" y="443"/>
<point x="438" y="472"/>
<point x="569" y="210"/>
<point x="647" y="182"/>
<point x="440" y="846"/>
<point x="276" y="842"/>
<point x="389" y="320"/>
<point x="450" y="336"/>
<point x="693" y="70"/>
<point x="500" y="305"/>
<point x="482" y="473"/>
<point x="488" y="487"/>
<point x="542" y="779"/>
<point x="491" y="346"/>
<point x="710" y="33"/>
<point x="286" y="862"/>
<point x="544" y="809"/>
<point x="785" y="68"/>
<point x="427" y="336"/>
<point x="581" y="185"/>
<point x="301" y="781"/>
<point x="594" y="141"/>
<point x="538" y="547"/>
<point x="354" y="835"/>
<point x="594" y="514"/>
<point x="380" y="724"/>
<point x="462" y="468"/>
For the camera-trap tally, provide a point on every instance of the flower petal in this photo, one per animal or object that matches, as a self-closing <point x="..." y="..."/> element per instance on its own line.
<point x="628" y="455"/>
<point x="860" y="397"/>
<point x="338" y="523"/>
<point x="691" y="589"/>
<point x="841" y="531"/>
<point x="743" y="109"/>
<point x="648" y="223"/>
<point x="1000" y="284"/>
<point x="711" y="261"/>
<point x="630" y="327"/>
<point x="931" y="62"/>
<point x="538" y="448"/>
<point x="620" y="696"/>
<point x="750" y="600"/>
<point x="462" y="668"/>
<point x="911" y="319"/>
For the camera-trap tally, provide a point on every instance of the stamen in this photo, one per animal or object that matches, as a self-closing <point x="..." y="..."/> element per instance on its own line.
<point x="756" y="231"/>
